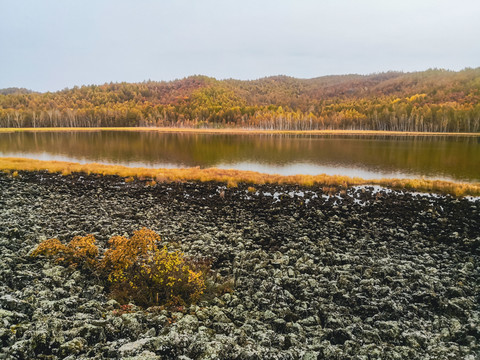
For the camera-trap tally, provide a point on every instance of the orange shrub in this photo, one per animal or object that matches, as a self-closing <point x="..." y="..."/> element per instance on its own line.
<point x="81" y="250"/>
<point x="50" y="248"/>
<point x="141" y="272"/>
<point x="135" y="267"/>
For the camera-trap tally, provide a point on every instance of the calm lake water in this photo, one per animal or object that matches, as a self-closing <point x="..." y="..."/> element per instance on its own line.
<point x="434" y="157"/>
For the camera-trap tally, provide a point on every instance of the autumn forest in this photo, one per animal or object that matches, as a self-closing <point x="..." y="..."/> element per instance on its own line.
<point x="432" y="100"/>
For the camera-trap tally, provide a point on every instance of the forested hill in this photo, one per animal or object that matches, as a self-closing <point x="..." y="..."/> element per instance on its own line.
<point x="432" y="100"/>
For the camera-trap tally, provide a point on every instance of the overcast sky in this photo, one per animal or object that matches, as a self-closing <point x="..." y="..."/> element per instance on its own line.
<point x="50" y="45"/>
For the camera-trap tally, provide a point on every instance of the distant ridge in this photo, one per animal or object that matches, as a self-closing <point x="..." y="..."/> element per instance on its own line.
<point x="14" y="90"/>
<point x="432" y="100"/>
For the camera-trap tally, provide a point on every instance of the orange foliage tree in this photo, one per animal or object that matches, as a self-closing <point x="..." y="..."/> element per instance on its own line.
<point x="432" y="100"/>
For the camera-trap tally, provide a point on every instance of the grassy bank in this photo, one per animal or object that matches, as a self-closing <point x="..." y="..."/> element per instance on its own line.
<point x="233" y="177"/>
<point x="239" y="131"/>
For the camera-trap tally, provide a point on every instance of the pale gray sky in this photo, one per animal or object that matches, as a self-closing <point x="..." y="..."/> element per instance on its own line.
<point x="53" y="44"/>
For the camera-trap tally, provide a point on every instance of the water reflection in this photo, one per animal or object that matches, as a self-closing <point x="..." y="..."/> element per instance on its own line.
<point x="311" y="169"/>
<point x="453" y="158"/>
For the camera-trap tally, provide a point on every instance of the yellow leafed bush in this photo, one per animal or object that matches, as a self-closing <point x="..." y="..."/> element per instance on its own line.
<point x="140" y="271"/>
<point x="136" y="268"/>
<point x="50" y="248"/>
<point x="80" y="251"/>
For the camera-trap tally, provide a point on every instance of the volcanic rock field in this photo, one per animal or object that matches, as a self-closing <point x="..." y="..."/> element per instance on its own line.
<point x="366" y="273"/>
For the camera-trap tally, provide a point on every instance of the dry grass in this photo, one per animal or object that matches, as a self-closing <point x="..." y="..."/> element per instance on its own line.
<point x="233" y="177"/>
<point x="239" y="131"/>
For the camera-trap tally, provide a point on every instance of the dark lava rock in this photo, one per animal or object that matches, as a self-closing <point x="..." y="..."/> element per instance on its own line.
<point x="372" y="274"/>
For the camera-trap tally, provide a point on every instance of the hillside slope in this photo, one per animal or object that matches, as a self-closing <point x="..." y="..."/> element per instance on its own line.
<point x="432" y="100"/>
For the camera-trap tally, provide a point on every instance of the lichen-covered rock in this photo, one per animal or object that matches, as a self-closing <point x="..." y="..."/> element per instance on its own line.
<point x="356" y="276"/>
<point x="188" y="323"/>
<point x="73" y="347"/>
<point x="134" y="347"/>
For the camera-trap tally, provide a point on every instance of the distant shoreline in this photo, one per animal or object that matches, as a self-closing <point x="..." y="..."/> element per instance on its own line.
<point x="239" y="131"/>
<point x="232" y="177"/>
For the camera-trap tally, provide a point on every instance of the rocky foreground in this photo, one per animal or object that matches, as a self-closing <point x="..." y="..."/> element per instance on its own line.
<point x="367" y="274"/>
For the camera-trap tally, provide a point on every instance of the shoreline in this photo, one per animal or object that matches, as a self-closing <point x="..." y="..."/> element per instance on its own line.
<point x="233" y="177"/>
<point x="240" y="131"/>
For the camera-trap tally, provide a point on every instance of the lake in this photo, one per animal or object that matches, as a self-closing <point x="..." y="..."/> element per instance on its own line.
<point x="433" y="157"/>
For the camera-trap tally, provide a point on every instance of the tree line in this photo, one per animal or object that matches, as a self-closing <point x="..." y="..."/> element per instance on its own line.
<point x="432" y="100"/>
